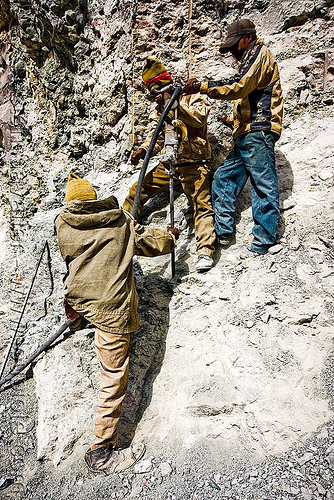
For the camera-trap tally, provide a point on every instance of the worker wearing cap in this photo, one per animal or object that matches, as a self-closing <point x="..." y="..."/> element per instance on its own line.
<point x="257" y="123"/>
<point x="97" y="240"/>
<point x="192" y="168"/>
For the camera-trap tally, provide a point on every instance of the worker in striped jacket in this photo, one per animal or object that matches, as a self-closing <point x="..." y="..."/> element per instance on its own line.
<point x="257" y="123"/>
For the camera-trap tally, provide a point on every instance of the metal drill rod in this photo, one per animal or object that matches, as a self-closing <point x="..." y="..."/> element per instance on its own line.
<point x="45" y="247"/>
<point x="171" y="208"/>
<point x="36" y="353"/>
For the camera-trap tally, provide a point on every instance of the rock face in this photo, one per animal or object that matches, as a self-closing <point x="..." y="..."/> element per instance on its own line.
<point x="235" y="363"/>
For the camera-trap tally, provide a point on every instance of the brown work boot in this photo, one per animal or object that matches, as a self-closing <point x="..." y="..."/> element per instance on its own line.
<point x="96" y="459"/>
<point x="107" y="460"/>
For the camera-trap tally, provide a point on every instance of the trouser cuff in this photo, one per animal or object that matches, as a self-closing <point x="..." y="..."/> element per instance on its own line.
<point x="205" y="251"/>
<point x="259" y="249"/>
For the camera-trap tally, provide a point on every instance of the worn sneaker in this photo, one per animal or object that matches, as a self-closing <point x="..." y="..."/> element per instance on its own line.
<point x="106" y="460"/>
<point x="225" y="239"/>
<point x="246" y="253"/>
<point x="97" y="459"/>
<point x="204" y="263"/>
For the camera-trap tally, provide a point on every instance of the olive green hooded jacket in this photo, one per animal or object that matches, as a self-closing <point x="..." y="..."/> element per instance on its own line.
<point x="97" y="240"/>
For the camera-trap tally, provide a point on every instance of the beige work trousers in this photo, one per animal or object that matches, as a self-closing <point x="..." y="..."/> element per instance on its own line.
<point x="195" y="183"/>
<point x="113" y="353"/>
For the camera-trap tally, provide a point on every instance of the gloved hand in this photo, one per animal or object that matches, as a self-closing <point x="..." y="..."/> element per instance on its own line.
<point x="161" y="99"/>
<point x="224" y="119"/>
<point x="137" y="155"/>
<point x="70" y="312"/>
<point x="174" y="231"/>
<point x="192" y="86"/>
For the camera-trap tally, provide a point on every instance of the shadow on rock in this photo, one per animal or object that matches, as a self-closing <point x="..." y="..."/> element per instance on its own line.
<point x="285" y="183"/>
<point x="160" y="202"/>
<point x="147" y="349"/>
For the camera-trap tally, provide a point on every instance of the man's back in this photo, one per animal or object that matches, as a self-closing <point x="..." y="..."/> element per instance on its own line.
<point x="97" y="240"/>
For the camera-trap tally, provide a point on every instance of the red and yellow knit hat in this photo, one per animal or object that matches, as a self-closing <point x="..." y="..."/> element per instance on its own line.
<point x="79" y="189"/>
<point x="155" y="74"/>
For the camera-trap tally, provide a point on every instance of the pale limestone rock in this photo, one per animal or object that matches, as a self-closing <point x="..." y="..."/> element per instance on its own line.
<point x="204" y="368"/>
<point x="66" y="388"/>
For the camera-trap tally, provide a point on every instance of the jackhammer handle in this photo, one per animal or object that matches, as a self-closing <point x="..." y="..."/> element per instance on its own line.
<point x="167" y="88"/>
<point x="36" y="353"/>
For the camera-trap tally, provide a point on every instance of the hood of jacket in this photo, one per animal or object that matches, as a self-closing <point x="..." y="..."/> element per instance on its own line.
<point x="91" y="214"/>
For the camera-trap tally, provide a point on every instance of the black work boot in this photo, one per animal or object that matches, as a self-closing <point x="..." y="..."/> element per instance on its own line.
<point x="99" y="457"/>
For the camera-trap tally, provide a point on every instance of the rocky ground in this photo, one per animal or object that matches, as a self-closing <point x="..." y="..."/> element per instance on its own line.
<point x="231" y="371"/>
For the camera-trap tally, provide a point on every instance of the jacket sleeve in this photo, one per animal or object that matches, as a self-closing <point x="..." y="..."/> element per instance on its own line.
<point x="194" y="110"/>
<point x="252" y="74"/>
<point x="151" y="241"/>
<point x="153" y="122"/>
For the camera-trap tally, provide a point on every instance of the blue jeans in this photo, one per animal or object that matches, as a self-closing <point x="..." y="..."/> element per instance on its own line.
<point x="252" y="156"/>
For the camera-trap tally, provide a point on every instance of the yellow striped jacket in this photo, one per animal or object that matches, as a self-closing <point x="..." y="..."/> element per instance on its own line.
<point x="255" y="90"/>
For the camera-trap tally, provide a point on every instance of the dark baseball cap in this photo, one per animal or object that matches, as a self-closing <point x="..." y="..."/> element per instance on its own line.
<point x="237" y="30"/>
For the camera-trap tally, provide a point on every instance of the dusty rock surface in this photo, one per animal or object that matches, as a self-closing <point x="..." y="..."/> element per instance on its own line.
<point x="231" y="371"/>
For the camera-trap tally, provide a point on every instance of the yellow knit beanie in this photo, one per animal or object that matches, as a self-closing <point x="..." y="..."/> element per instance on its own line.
<point x="79" y="189"/>
<point x="155" y="74"/>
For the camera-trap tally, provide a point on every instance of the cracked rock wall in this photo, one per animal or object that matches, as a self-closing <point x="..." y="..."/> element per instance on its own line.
<point x="237" y="358"/>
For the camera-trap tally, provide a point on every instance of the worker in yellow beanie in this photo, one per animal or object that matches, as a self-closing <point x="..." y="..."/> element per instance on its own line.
<point x="193" y="163"/>
<point x="98" y="240"/>
<point x="155" y="75"/>
<point x="79" y="189"/>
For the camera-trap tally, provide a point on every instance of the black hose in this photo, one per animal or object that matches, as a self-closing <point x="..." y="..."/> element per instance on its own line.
<point x="176" y="93"/>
